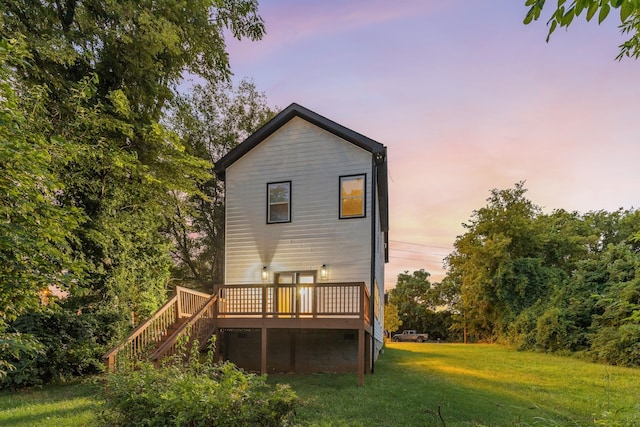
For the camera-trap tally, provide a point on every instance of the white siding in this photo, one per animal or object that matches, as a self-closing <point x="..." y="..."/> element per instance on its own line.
<point x="313" y="160"/>
<point x="379" y="277"/>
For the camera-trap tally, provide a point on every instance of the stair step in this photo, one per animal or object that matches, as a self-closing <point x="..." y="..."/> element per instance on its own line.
<point x="172" y="330"/>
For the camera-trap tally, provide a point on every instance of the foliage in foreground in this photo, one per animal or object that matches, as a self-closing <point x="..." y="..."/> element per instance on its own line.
<point x="474" y="385"/>
<point x="199" y="394"/>
<point x="564" y="13"/>
<point x="55" y="345"/>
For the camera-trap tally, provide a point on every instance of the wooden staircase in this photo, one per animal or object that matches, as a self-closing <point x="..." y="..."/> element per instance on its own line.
<point x="188" y="314"/>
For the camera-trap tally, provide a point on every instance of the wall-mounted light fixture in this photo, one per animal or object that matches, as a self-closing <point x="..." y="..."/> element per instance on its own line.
<point x="323" y="272"/>
<point x="265" y="274"/>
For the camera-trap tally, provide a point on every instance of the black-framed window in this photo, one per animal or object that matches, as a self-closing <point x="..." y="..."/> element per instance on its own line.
<point x="352" y="196"/>
<point x="278" y="202"/>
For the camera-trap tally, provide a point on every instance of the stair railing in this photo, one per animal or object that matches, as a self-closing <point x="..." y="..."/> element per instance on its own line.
<point x="149" y="333"/>
<point x="199" y="327"/>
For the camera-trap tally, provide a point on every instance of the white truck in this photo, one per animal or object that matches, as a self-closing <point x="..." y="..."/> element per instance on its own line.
<point x="410" y="335"/>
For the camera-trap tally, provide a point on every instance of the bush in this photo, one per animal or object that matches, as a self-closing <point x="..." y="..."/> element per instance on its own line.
<point x="69" y="345"/>
<point x="618" y="345"/>
<point x="552" y="330"/>
<point x="16" y="347"/>
<point x="199" y="394"/>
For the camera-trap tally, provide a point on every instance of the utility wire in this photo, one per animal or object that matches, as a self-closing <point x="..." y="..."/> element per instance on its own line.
<point x="437" y="258"/>
<point x="420" y="244"/>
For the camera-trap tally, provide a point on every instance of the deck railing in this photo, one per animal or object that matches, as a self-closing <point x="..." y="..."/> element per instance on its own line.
<point x="160" y="334"/>
<point x="198" y="328"/>
<point x="313" y="300"/>
<point x="190" y="301"/>
<point x="145" y="337"/>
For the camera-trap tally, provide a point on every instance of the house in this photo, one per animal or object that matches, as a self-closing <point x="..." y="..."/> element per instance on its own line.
<point x="306" y="238"/>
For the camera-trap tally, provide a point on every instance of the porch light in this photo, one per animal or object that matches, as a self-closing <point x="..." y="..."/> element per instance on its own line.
<point x="323" y="272"/>
<point x="265" y="274"/>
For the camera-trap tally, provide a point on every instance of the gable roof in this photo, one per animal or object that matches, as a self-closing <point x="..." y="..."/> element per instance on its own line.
<point x="378" y="151"/>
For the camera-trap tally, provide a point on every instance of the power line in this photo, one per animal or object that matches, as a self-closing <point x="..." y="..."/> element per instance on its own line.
<point x="415" y="259"/>
<point x="406" y="250"/>
<point x="420" y="244"/>
<point x="437" y="257"/>
<point x="420" y="252"/>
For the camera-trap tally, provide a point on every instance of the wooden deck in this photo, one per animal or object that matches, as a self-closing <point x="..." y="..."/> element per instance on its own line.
<point x="255" y="306"/>
<point x="312" y="306"/>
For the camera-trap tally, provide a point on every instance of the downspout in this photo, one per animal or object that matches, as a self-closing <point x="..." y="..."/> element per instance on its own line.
<point x="372" y="316"/>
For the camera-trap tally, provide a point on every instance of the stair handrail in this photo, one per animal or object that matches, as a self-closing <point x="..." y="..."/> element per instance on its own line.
<point x="167" y="315"/>
<point x="110" y="356"/>
<point x="190" y="300"/>
<point x="165" y="348"/>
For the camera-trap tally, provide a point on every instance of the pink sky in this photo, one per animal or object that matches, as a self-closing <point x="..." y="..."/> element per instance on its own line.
<point x="466" y="98"/>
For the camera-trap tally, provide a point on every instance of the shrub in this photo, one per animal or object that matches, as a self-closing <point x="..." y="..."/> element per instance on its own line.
<point x="551" y="330"/>
<point x="197" y="394"/>
<point x="618" y="345"/>
<point x="68" y="344"/>
<point x="15" y="347"/>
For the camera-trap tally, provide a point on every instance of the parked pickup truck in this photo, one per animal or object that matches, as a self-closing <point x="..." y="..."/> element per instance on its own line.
<point x="410" y="335"/>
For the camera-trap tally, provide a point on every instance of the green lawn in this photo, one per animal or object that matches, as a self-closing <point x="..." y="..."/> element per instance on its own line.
<point x="472" y="385"/>
<point x="69" y="405"/>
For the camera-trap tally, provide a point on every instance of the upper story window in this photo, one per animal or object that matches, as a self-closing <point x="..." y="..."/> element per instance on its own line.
<point x="278" y="202"/>
<point x="352" y="196"/>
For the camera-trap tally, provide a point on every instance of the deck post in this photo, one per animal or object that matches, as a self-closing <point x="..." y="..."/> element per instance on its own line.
<point x="178" y="303"/>
<point x="292" y="349"/>
<point x="314" y="302"/>
<point x="110" y="364"/>
<point x="264" y="301"/>
<point x="276" y="303"/>
<point x="363" y="303"/>
<point x="263" y="356"/>
<point x="361" y="356"/>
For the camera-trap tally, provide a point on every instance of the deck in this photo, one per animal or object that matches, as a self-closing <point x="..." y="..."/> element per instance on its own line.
<point x="310" y="306"/>
<point x="322" y="306"/>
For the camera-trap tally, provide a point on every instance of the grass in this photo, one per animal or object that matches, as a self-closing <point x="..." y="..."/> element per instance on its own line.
<point x="471" y="385"/>
<point x="69" y="405"/>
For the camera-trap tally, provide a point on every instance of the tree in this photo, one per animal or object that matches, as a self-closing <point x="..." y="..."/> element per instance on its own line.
<point x="110" y="70"/>
<point x="495" y="262"/>
<point x="549" y="282"/>
<point x="102" y="74"/>
<point x="564" y="14"/>
<point x="449" y="291"/>
<point x="36" y="233"/>
<point x="392" y="320"/>
<point x="415" y="299"/>
<point x="210" y="121"/>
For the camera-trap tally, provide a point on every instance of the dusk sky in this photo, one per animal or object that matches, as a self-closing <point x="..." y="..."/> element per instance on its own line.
<point x="466" y="98"/>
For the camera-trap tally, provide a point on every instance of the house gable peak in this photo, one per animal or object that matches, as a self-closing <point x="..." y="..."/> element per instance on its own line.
<point x="296" y="110"/>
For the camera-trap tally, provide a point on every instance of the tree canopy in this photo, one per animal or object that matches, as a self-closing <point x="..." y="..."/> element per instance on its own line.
<point x="93" y="170"/>
<point x="35" y="232"/>
<point x="108" y="71"/>
<point x="627" y="11"/>
<point x="562" y="281"/>
<point x="210" y="120"/>
<point x="419" y="304"/>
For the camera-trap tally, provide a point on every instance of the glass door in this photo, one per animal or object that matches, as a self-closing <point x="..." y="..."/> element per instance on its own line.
<point x="295" y="292"/>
